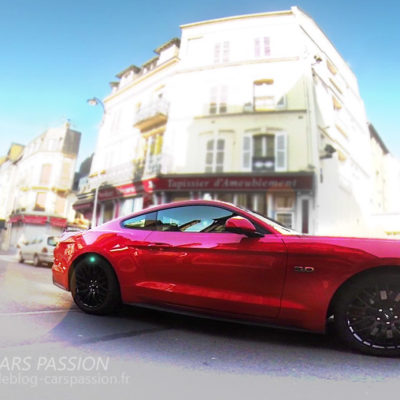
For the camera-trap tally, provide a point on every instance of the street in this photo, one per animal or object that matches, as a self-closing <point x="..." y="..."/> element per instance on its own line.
<point x="49" y="349"/>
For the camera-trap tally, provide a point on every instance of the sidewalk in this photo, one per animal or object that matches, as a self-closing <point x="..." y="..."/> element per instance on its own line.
<point x="10" y="251"/>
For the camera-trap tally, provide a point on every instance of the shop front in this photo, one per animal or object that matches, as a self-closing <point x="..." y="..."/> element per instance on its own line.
<point x="285" y="197"/>
<point x="29" y="226"/>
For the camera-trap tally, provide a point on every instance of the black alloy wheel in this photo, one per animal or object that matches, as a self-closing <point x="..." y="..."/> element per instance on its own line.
<point x="94" y="286"/>
<point x="367" y="315"/>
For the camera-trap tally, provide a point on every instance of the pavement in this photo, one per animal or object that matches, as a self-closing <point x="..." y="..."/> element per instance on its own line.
<point x="51" y="350"/>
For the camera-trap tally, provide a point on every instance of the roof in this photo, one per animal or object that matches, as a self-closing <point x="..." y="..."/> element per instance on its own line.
<point x="236" y="17"/>
<point x="173" y="41"/>
<point x="132" y="67"/>
<point x="149" y="61"/>
<point x="15" y="152"/>
<point x="374" y="134"/>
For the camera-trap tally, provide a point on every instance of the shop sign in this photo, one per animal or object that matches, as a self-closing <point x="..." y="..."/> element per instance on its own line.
<point x="34" y="219"/>
<point x="301" y="182"/>
<point x="61" y="222"/>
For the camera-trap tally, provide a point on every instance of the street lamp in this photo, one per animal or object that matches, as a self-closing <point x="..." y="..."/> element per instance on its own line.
<point x="94" y="101"/>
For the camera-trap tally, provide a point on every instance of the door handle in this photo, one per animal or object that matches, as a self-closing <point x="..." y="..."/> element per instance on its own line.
<point x="159" y="245"/>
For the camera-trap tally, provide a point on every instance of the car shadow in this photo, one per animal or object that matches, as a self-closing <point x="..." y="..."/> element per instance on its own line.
<point x="132" y="321"/>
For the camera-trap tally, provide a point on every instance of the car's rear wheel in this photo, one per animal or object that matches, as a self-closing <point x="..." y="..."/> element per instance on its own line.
<point x="94" y="286"/>
<point x="36" y="260"/>
<point x="367" y="314"/>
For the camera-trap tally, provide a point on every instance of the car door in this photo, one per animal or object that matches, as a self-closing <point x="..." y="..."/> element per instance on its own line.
<point x="133" y="239"/>
<point x="192" y="261"/>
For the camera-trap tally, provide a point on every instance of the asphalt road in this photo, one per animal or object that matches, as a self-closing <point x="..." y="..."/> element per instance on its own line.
<point x="51" y="350"/>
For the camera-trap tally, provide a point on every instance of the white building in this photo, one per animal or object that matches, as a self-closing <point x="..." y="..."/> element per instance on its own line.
<point x="39" y="196"/>
<point x="260" y="110"/>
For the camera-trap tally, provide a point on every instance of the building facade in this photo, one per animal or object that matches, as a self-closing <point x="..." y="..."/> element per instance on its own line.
<point x="39" y="199"/>
<point x="260" y="110"/>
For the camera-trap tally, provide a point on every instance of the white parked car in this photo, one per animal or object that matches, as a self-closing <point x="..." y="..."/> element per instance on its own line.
<point x="40" y="250"/>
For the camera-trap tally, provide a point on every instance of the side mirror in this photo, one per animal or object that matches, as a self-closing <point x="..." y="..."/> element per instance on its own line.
<point x="241" y="225"/>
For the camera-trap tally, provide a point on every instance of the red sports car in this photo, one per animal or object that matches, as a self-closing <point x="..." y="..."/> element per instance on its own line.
<point x="209" y="257"/>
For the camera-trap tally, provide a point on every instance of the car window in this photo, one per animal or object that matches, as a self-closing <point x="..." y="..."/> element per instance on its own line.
<point x="193" y="219"/>
<point x="53" y="240"/>
<point x="144" y="221"/>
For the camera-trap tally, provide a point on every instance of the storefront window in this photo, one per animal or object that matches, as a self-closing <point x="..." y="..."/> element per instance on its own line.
<point x="227" y="197"/>
<point x="108" y="212"/>
<point x="284" y="201"/>
<point x="285" y="219"/>
<point x="284" y="209"/>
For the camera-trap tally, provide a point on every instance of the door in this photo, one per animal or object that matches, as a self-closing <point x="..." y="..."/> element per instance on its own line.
<point x="192" y="261"/>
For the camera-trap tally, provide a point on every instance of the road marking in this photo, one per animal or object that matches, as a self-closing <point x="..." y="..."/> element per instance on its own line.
<point x="36" y="312"/>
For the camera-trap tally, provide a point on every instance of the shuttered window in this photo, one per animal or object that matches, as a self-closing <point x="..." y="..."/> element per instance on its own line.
<point x="45" y="174"/>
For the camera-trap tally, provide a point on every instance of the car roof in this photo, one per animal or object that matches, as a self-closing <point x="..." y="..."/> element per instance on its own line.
<point x="116" y="222"/>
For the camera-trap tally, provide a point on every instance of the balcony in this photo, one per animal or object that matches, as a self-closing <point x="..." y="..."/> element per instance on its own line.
<point x="114" y="175"/>
<point x="263" y="164"/>
<point x="152" y="115"/>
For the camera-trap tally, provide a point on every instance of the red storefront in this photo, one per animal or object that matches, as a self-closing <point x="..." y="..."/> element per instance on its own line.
<point x="28" y="226"/>
<point x="286" y="197"/>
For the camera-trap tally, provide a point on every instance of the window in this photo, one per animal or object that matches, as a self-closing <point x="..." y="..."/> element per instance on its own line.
<point x="144" y="221"/>
<point x="263" y="146"/>
<point x="286" y="219"/>
<point x="218" y="100"/>
<point x="60" y="205"/>
<point x="262" y="47"/>
<point x="284" y="201"/>
<point x="215" y="149"/>
<point x="45" y="174"/>
<point x="221" y="52"/>
<point x="153" y="153"/>
<point x="40" y="203"/>
<point x="264" y="152"/>
<point x="108" y="211"/>
<point x="264" y="98"/>
<point x="65" y="174"/>
<point x="53" y="240"/>
<point x="204" y="219"/>
<point x="284" y="205"/>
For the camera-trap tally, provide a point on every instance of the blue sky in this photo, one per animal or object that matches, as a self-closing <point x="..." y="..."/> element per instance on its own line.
<point x="55" y="55"/>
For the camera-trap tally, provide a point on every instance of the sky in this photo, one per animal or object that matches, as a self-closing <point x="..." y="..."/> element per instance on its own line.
<point x="55" y="55"/>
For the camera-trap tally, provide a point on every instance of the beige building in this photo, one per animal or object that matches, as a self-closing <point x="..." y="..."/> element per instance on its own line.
<point x="39" y="199"/>
<point x="260" y="110"/>
<point x="386" y="188"/>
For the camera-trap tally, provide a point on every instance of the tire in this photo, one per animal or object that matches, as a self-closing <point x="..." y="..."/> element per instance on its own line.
<point x="20" y="257"/>
<point x="94" y="286"/>
<point x="367" y="314"/>
<point x="36" y="260"/>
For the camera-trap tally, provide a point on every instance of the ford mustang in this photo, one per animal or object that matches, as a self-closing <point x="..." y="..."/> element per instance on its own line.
<point x="213" y="258"/>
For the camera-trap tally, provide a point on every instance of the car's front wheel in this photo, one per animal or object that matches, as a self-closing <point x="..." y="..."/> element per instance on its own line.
<point x="367" y="314"/>
<point x="94" y="286"/>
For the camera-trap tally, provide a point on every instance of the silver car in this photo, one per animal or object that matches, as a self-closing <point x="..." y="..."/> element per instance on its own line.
<point x="40" y="250"/>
